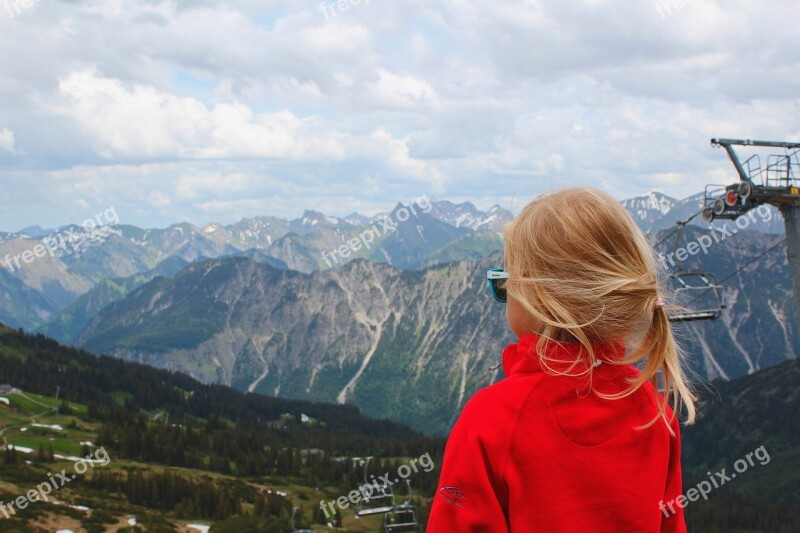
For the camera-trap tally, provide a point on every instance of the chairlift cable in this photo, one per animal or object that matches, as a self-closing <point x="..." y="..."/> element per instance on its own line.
<point x="662" y="241"/>
<point x="751" y="262"/>
<point x="679" y="225"/>
<point x="729" y="276"/>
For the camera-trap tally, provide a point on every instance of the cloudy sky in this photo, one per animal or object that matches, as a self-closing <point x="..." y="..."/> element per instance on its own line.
<point x="202" y="111"/>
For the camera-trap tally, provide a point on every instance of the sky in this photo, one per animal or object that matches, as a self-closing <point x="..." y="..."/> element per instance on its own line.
<point x="204" y="111"/>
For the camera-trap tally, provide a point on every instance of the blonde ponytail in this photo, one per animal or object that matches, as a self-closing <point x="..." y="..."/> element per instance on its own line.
<point x="663" y="359"/>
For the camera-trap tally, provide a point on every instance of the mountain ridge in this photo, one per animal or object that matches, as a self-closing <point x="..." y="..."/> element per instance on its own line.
<point x="336" y="335"/>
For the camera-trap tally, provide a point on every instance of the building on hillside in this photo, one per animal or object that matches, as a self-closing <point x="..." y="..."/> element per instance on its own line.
<point x="5" y="388"/>
<point x="312" y="452"/>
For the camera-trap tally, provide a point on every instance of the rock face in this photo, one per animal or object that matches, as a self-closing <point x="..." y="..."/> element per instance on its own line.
<point x="407" y="345"/>
<point x="411" y="346"/>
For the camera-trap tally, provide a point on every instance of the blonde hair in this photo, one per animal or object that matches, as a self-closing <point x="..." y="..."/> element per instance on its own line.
<point x="580" y="265"/>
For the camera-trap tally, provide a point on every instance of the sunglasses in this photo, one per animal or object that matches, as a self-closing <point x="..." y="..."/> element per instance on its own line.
<point x="496" y="279"/>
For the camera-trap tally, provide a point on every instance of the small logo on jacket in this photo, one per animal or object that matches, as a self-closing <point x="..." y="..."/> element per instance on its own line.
<point x="452" y="495"/>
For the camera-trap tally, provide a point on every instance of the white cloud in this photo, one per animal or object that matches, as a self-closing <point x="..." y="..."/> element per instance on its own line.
<point x="143" y="122"/>
<point x="180" y="109"/>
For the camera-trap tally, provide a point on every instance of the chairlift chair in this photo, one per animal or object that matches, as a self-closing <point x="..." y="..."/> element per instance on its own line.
<point x="374" y="504"/>
<point x="402" y="518"/>
<point x="697" y="293"/>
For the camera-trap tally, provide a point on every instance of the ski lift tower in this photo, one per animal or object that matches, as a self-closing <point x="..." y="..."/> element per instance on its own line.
<point x="777" y="184"/>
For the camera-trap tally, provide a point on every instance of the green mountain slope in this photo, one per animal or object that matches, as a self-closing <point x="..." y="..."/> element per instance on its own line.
<point x="72" y="320"/>
<point x="333" y="336"/>
<point x="179" y="451"/>
<point x="756" y="416"/>
<point x="183" y="452"/>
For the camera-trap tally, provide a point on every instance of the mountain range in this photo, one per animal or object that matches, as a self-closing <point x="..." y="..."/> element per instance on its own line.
<point x="403" y="329"/>
<point x="35" y="294"/>
<point x="440" y="232"/>
<point x="408" y="345"/>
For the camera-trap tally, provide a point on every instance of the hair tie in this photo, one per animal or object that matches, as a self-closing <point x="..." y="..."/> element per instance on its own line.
<point x="659" y="304"/>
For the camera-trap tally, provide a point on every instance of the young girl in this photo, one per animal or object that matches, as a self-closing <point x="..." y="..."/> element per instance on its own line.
<point x="575" y="439"/>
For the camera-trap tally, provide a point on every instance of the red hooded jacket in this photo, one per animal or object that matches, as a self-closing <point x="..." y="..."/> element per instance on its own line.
<point x="541" y="453"/>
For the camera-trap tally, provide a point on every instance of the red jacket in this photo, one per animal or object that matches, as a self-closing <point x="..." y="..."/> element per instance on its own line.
<point x="540" y="453"/>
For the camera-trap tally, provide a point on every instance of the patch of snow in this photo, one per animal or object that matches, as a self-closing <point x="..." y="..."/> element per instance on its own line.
<point x="76" y="459"/>
<point x="199" y="527"/>
<point x="23" y="449"/>
<point x="54" y="427"/>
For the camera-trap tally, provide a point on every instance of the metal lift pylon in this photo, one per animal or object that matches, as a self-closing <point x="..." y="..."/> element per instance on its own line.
<point x="777" y="184"/>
